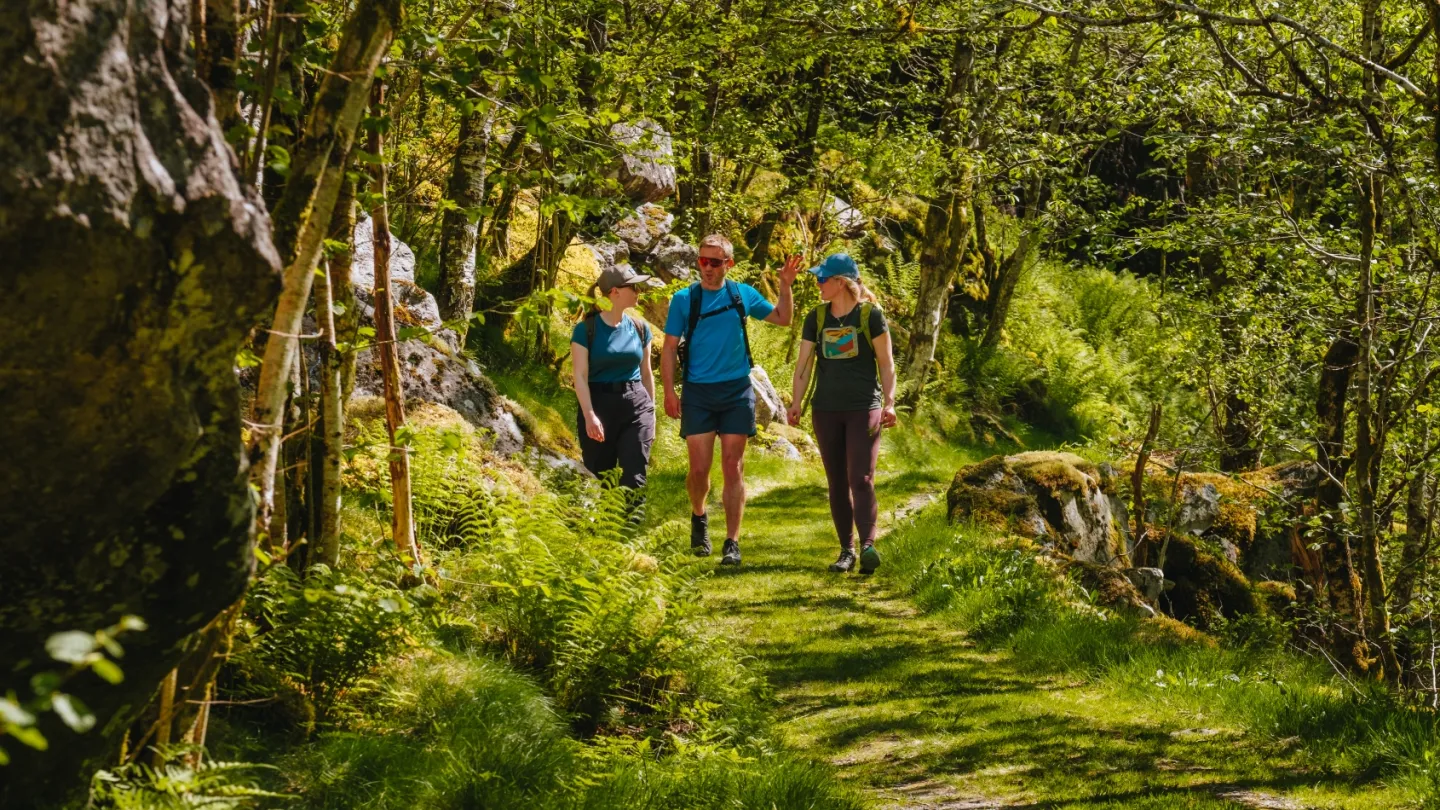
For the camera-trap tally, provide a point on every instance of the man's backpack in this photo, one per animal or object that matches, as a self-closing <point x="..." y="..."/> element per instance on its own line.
<point x="696" y="298"/>
<point x="818" y="315"/>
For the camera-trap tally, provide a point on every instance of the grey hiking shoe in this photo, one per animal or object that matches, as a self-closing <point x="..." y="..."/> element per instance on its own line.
<point x="700" y="535"/>
<point x="730" y="553"/>
<point x="845" y="563"/>
<point x="869" y="560"/>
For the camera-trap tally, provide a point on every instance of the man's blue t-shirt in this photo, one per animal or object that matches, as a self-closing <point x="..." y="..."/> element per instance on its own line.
<point x="717" y="349"/>
<point x="618" y="350"/>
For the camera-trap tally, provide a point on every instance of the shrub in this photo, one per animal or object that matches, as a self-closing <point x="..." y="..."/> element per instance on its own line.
<point x="317" y="636"/>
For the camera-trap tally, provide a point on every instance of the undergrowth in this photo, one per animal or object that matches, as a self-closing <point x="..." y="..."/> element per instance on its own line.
<point x="1246" y="676"/>
<point x="559" y="660"/>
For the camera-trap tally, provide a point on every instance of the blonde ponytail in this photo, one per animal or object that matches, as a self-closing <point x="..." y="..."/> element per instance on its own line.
<point x="858" y="290"/>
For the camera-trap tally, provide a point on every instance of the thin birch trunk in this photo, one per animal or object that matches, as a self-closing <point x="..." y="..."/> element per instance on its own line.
<point x="329" y="431"/>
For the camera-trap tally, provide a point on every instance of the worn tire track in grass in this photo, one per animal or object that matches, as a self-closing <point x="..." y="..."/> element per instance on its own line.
<point x="916" y="715"/>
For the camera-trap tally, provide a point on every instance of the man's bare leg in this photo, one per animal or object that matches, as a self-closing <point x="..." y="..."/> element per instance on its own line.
<point x="701" y="449"/>
<point x="732" y="464"/>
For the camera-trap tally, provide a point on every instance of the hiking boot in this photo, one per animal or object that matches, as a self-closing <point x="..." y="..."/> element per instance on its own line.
<point x="730" y="553"/>
<point x="869" y="560"/>
<point x="700" y="535"/>
<point x="845" y="563"/>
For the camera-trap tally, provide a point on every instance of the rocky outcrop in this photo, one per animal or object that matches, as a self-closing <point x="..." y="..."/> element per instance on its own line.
<point x="432" y="367"/>
<point x="646" y="165"/>
<point x="1058" y="499"/>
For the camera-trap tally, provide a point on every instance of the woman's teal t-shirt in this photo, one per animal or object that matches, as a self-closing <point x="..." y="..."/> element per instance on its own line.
<point x="618" y="350"/>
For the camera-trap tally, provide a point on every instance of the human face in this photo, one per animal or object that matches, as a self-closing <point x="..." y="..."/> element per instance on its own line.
<point x="622" y="298"/>
<point x="713" y="265"/>
<point x="829" y="288"/>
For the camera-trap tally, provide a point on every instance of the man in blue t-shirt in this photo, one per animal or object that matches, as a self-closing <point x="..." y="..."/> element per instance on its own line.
<point x="719" y="400"/>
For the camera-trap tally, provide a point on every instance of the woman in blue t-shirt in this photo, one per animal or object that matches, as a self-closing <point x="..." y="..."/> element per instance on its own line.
<point x="610" y="353"/>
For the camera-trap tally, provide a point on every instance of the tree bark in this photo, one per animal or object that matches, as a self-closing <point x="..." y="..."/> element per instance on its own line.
<point x="328" y="444"/>
<point x="138" y="267"/>
<point x="1342" y="585"/>
<point x="342" y="289"/>
<point x="457" y="229"/>
<point x="1415" y="547"/>
<point x="402" y="521"/>
<point x="1368" y="440"/>
<point x="947" y="231"/>
<point x="303" y="214"/>
<point x="223" y="52"/>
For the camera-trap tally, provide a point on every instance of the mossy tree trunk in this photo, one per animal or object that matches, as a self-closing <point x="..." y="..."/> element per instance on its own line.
<point x="1342" y="585"/>
<point x="138" y="267"/>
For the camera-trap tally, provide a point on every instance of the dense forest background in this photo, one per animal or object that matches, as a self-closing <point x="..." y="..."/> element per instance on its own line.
<point x="286" y="331"/>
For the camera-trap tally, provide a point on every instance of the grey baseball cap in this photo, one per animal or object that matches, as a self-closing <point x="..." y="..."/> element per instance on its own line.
<point x="623" y="275"/>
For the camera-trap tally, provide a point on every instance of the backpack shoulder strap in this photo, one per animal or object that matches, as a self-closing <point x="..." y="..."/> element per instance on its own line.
<point x="866" y="308"/>
<point x="738" y="304"/>
<point x="696" y="296"/>
<point x="590" y="329"/>
<point x="641" y="328"/>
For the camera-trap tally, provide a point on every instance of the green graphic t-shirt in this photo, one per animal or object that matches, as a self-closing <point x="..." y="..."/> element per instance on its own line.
<point x="846" y="376"/>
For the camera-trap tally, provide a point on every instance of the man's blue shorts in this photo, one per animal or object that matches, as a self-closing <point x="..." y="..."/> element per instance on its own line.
<point x="723" y="407"/>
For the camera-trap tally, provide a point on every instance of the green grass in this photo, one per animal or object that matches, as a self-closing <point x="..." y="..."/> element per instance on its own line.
<point x="1052" y="713"/>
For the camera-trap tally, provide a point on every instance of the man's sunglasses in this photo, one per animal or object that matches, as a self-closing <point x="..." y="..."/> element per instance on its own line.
<point x="706" y="261"/>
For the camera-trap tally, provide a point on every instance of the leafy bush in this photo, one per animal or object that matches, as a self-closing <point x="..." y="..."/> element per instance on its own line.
<point x="318" y="636"/>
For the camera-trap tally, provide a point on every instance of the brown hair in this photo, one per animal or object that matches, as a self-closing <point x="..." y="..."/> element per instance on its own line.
<point x="719" y="241"/>
<point x="858" y="289"/>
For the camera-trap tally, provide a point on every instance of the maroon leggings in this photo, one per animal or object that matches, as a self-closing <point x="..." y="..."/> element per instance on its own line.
<point x="849" y="446"/>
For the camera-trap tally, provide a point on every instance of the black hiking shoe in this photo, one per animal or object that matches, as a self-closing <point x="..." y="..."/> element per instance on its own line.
<point x="700" y="535"/>
<point x="845" y="563"/>
<point x="869" y="560"/>
<point x="730" y="553"/>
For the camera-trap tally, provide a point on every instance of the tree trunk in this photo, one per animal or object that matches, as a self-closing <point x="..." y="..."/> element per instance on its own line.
<point x="138" y="267"/>
<point x="1368" y="440"/>
<point x="1347" y="634"/>
<point x="1416" y="545"/>
<point x="222" y="55"/>
<point x="342" y="289"/>
<point x="327" y="443"/>
<point x="947" y="233"/>
<point x="458" y="228"/>
<point x="998" y="301"/>
<point x="402" y="522"/>
<point x="303" y="215"/>
<point x="1137" y="487"/>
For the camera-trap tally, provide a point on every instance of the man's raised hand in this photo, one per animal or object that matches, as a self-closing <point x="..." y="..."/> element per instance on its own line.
<point x="790" y="270"/>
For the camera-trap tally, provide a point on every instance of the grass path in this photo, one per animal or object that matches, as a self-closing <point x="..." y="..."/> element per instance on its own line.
<point x="916" y="716"/>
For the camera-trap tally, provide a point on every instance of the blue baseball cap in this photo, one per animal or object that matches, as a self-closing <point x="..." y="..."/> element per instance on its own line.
<point x="836" y="264"/>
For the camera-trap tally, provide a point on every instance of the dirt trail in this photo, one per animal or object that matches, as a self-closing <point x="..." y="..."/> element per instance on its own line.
<point x="917" y="716"/>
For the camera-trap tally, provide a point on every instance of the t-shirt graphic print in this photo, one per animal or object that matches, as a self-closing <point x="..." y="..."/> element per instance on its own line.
<point x="841" y="343"/>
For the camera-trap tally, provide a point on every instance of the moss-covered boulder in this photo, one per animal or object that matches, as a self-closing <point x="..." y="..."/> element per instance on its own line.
<point x="1207" y="585"/>
<point x="1059" y="499"/>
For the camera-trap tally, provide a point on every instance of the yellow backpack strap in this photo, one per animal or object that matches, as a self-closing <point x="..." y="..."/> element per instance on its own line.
<point x="865" y="309"/>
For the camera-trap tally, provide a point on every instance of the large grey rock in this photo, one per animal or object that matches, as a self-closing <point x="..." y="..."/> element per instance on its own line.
<point x="646" y="165"/>
<point x="673" y="259"/>
<point x="362" y="272"/>
<point x="643" y="229"/>
<point x="849" y="221"/>
<point x="768" y="405"/>
<point x="1199" y="506"/>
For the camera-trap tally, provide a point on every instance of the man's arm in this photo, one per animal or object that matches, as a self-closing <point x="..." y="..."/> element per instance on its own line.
<point x="668" y="354"/>
<point x="785" y="308"/>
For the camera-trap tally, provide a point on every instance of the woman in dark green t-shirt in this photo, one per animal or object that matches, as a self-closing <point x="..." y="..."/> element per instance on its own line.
<point x="854" y="399"/>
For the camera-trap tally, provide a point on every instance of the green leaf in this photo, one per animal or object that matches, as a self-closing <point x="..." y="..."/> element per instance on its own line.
<point x="73" y="713"/>
<point x="71" y="646"/>
<point x="13" y="714"/>
<point x="28" y="736"/>
<point x="108" y="670"/>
